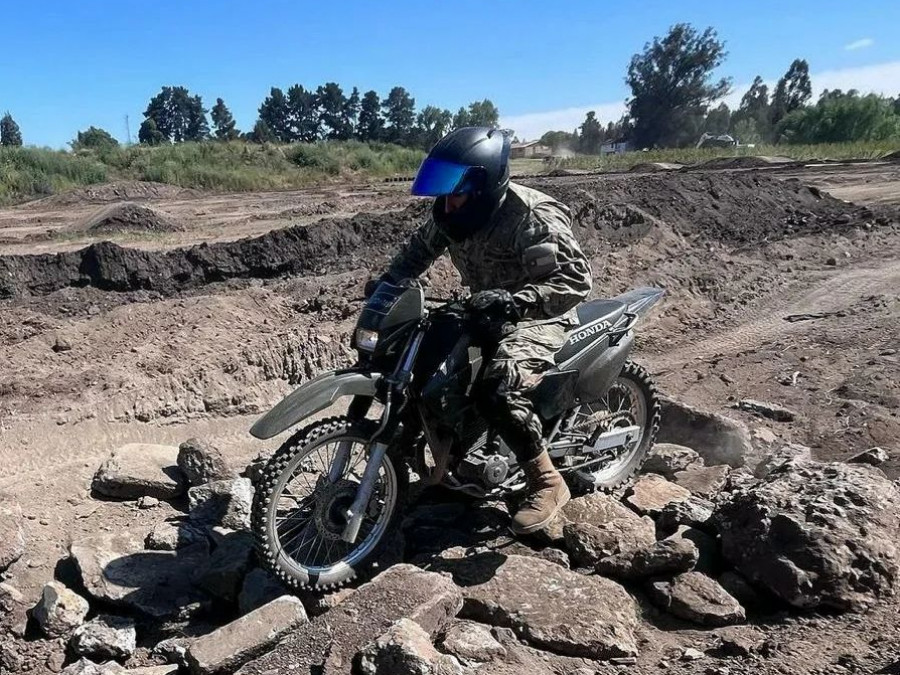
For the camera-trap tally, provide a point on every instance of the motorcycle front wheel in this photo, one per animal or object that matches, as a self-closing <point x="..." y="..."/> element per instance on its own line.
<point x="301" y="500"/>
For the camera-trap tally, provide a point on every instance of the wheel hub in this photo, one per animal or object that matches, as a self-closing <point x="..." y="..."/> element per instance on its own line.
<point x="331" y="508"/>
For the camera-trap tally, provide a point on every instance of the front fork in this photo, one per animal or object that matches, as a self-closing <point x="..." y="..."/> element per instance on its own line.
<point x="399" y="381"/>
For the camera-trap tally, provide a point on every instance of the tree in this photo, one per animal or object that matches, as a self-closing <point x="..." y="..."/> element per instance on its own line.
<point x="351" y="112"/>
<point x="671" y="86"/>
<point x="10" y="134"/>
<point x="304" y="121"/>
<point x="431" y="125"/>
<point x="95" y="139"/>
<point x="718" y="120"/>
<point x="483" y="114"/>
<point x="223" y="122"/>
<point x="332" y="108"/>
<point x="754" y="110"/>
<point x="461" y="119"/>
<point x="745" y="130"/>
<point x="560" y="140"/>
<point x="178" y="115"/>
<point x="793" y="91"/>
<point x="400" y="113"/>
<point x="371" y="124"/>
<point x="149" y="133"/>
<point x="841" y="118"/>
<point x="591" y="134"/>
<point x="261" y="133"/>
<point x="275" y="114"/>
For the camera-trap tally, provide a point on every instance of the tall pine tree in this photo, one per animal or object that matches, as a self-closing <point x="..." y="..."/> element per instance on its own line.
<point x="223" y="122"/>
<point x="10" y="134"/>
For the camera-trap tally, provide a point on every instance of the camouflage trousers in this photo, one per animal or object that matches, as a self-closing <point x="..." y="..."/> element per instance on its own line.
<point x="516" y="367"/>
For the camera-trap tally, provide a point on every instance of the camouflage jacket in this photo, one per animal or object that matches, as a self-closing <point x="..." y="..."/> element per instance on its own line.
<point x="527" y="249"/>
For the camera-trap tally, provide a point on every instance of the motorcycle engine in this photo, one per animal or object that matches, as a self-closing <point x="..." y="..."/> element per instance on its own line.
<point x="487" y="464"/>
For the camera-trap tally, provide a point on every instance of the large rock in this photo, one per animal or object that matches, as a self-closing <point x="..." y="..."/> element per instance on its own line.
<point x="704" y="481"/>
<point x="12" y="534"/>
<point x="816" y="535"/>
<point x="652" y="493"/>
<point x="405" y="649"/>
<point x="170" y="536"/>
<point x="140" y="470"/>
<point x="228" y="565"/>
<point x="471" y="642"/>
<point x="780" y="457"/>
<point x="667" y="458"/>
<point x="202" y="462"/>
<point x="588" y="544"/>
<point x="59" y="611"/>
<point x="13" y="610"/>
<point x="252" y="635"/>
<point x="669" y="556"/>
<point x="88" y="667"/>
<point x="693" y="512"/>
<point x="595" y="508"/>
<point x="259" y="588"/>
<point x="224" y="502"/>
<point x="106" y="637"/>
<point x="550" y="607"/>
<point x="116" y="569"/>
<point x="328" y="644"/>
<point x="698" y="598"/>
<point x="716" y="438"/>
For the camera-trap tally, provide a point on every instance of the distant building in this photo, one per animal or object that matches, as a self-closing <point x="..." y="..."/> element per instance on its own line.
<point x="615" y="147"/>
<point x="532" y="149"/>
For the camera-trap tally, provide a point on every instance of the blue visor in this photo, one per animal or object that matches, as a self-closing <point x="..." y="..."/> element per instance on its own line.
<point x="438" y="177"/>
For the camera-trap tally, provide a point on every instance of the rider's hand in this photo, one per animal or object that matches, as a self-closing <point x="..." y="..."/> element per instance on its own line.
<point x="494" y="314"/>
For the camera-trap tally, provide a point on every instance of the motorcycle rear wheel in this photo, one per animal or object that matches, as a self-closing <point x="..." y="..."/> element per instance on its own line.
<point x="298" y="513"/>
<point x="632" y="400"/>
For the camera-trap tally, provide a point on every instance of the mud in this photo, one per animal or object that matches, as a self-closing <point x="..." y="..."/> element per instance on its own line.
<point x="129" y="217"/>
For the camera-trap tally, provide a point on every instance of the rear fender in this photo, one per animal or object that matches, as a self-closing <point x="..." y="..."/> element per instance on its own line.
<point x="312" y="397"/>
<point x="600" y="367"/>
<point x="640" y="300"/>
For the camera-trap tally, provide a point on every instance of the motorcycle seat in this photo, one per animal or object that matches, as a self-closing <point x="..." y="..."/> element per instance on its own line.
<point x="599" y="310"/>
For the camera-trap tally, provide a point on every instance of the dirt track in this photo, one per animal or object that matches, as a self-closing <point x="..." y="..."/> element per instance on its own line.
<point x="776" y="292"/>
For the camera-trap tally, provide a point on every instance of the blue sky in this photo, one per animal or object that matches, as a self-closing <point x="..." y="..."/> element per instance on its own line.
<point x="66" y="65"/>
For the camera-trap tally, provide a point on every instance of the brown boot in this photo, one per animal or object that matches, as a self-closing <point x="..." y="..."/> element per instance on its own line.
<point x="546" y="494"/>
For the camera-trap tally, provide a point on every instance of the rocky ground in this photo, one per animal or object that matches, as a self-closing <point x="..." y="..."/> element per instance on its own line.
<point x="751" y="546"/>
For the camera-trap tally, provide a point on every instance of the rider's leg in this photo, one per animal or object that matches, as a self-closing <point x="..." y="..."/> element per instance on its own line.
<point x="516" y="367"/>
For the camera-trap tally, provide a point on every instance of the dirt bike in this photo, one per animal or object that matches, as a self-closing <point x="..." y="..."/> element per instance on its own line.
<point x="330" y="498"/>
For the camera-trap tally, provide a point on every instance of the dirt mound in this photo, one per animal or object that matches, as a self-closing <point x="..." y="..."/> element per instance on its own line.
<point x="128" y="217"/>
<point x="132" y="190"/>
<point x="608" y="213"/>
<point x="653" y="167"/>
<point x="733" y="209"/>
<point x="892" y="156"/>
<point x="754" y="162"/>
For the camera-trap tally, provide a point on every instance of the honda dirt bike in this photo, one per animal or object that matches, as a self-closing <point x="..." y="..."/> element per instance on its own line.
<point x="331" y="496"/>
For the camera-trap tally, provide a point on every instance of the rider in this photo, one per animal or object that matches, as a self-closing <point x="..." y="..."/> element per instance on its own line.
<point x="514" y="248"/>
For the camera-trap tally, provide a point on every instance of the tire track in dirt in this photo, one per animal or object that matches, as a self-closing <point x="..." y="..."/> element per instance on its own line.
<point x="837" y="293"/>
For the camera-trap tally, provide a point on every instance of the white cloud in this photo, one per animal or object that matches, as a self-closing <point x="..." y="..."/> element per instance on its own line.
<point x="859" y="44"/>
<point x="533" y="125"/>
<point x="880" y="78"/>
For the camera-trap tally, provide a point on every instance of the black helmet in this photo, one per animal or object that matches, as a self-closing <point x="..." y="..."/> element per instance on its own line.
<point x="473" y="161"/>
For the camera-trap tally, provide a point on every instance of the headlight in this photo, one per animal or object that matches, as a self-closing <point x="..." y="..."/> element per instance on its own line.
<point x="366" y="339"/>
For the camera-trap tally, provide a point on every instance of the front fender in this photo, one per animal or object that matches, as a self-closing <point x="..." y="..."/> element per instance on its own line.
<point x="313" y="396"/>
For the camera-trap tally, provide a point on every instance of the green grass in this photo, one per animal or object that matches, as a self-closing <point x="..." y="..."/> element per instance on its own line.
<point x="835" y="151"/>
<point x="30" y="173"/>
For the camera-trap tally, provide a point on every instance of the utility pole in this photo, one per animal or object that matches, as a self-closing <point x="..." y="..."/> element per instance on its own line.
<point x="127" y="130"/>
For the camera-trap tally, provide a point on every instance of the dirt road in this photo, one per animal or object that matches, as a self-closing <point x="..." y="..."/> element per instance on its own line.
<point x="775" y="292"/>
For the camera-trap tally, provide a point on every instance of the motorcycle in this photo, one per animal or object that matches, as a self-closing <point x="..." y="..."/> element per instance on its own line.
<point x="330" y="498"/>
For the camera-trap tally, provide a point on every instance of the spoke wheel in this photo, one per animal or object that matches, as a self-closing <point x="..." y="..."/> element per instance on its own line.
<point x="631" y="401"/>
<point x="299" y="513"/>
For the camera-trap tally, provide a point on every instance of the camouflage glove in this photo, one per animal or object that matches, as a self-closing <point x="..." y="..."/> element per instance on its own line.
<point x="494" y="315"/>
